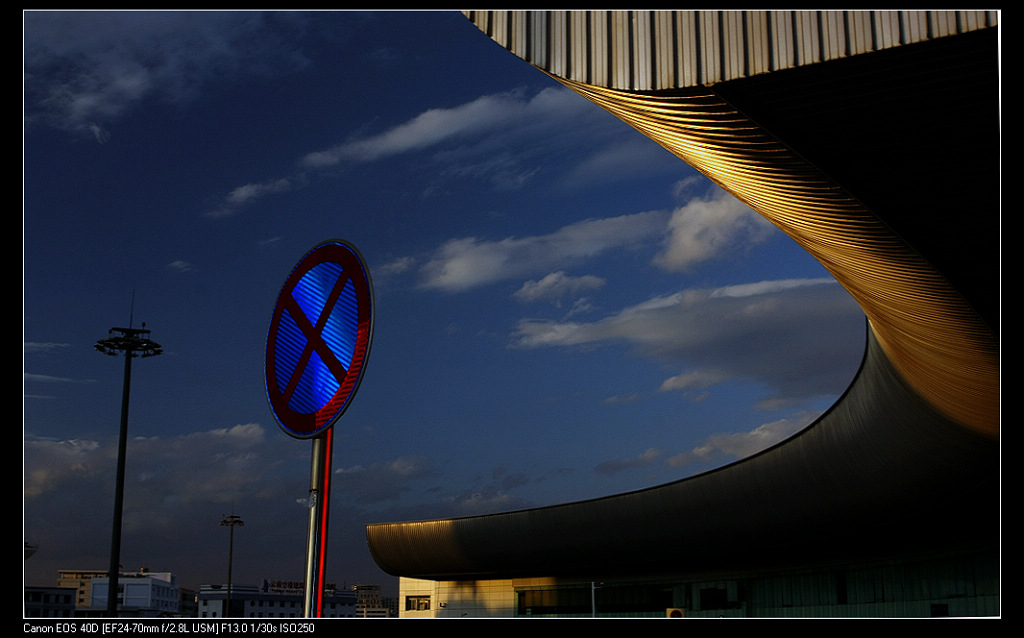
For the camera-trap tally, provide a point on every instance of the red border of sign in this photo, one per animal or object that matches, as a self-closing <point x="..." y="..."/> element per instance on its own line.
<point x="305" y="426"/>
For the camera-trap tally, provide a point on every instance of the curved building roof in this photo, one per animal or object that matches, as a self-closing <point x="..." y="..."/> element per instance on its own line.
<point x="872" y="139"/>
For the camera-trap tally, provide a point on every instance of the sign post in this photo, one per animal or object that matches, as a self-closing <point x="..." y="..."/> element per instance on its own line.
<point x="316" y="541"/>
<point x="317" y="346"/>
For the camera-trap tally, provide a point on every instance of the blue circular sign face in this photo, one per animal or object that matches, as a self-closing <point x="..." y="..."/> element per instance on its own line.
<point x="319" y="339"/>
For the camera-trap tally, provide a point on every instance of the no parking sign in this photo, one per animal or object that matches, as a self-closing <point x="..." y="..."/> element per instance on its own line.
<point x="319" y="339"/>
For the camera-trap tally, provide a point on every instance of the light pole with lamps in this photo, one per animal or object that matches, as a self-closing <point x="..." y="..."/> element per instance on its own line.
<point x="133" y="342"/>
<point x="231" y="522"/>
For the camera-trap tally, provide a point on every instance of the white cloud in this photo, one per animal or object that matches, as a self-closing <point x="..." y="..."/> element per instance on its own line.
<point x="768" y="287"/>
<point x="35" y="346"/>
<point x="738" y="445"/>
<point x="398" y="266"/>
<point x="177" y="488"/>
<point x="489" y="114"/>
<point x="209" y="465"/>
<point x="488" y="492"/>
<point x="674" y="322"/>
<point x="180" y="265"/>
<point x="247" y="193"/>
<point x="427" y="129"/>
<point x="475" y="138"/>
<point x="59" y="461"/>
<point x="623" y="160"/>
<point x="557" y="286"/>
<point x="244" y="434"/>
<point x="781" y="334"/>
<point x="45" y="378"/>
<point x="693" y="380"/>
<point x="716" y="449"/>
<point x="646" y="458"/>
<point x="707" y="228"/>
<point x="86" y="69"/>
<point x="704" y="229"/>
<point x="461" y="264"/>
<point x="383" y="481"/>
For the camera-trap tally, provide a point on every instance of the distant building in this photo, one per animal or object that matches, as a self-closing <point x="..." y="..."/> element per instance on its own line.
<point x="187" y="602"/>
<point x="140" y="594"/>
<point x="369" y="603"/>
<point x="49" y="602"/>
<point x="391" y="604"/>
<point x="81" y="581"/>
<point x="248" y="601"/>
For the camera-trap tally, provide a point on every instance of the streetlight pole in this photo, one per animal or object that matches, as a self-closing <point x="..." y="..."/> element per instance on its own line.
<point x="594" y="586"/>
<point x="231" y="522"/>
<point x="133" y="342"/>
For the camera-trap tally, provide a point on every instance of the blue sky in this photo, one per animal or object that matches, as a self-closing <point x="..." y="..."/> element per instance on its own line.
<point x="564" y="310"/>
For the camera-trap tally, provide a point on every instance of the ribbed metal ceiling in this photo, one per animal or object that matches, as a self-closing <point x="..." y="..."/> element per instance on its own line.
<point x="663" y="50"/>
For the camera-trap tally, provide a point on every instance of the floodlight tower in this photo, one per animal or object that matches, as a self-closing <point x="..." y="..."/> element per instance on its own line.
<point x="230" y="521"/>
<point x="133" y="342"/>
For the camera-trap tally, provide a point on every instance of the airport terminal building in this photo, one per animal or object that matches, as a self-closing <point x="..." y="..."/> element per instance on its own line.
<point x="872" y="138"/>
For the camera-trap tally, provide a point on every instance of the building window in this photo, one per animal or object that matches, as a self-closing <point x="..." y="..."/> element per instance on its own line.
<point x="417" y="603"/>
<point x="714" y="598"/>
<point x="555" y="601"/>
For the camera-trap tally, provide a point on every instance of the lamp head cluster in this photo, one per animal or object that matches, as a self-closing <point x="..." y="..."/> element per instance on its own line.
<point x="134" y="342"/>
<point x="232" y="520"/>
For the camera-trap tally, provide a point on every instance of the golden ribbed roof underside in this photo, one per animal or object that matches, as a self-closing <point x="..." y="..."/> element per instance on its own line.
<point x="931" y="334"/>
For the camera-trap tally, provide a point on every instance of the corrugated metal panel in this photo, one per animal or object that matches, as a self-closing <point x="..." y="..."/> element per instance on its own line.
<point x="806" y="38"/>
<point x="783" y="41"/>
<point x="579" y="45"/>
<point x="759" y="39"/>
<point x="539" y="37"/>
<point x="621" y="50"/>
<point x="644" y="61"/>
<point x="663" y="35"/>
<point x="652" y="50"/>
<point x="734" y="43"/>
<point x="560" y="42"/>
<point x="833" y="35"/>
<point x="517" y="30"/>
<point x="599" y="48"/>
<point x="888" y="31"/>
<point x="687" y="56"/>
<point x="709" y="63"/>
<point x="860" y="34"/>
<point x="917" y="27"/>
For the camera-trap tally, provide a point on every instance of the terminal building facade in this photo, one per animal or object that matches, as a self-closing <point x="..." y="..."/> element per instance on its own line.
<point x="872" y="139"/>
